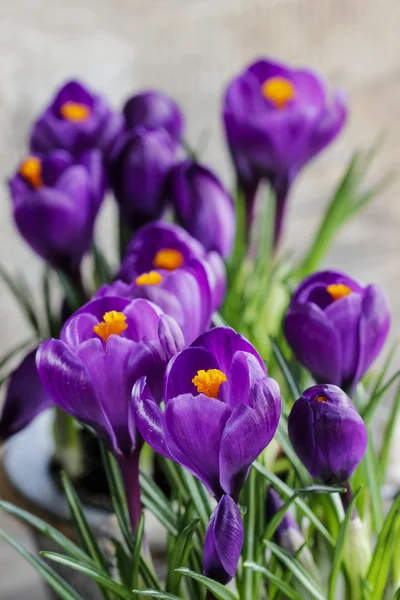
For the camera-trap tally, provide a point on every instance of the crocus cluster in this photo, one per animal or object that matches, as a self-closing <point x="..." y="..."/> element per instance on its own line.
<point x="221" y="412"/>
<point x="276" y="119"/>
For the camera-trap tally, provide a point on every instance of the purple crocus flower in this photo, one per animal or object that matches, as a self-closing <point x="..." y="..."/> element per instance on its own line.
<point x="25" y="398"/>
<point x="327" y="433"/>
<point x="154" y="110"/>
<point x="336" y="328"/>
<point x="75" y="120"/>
<point x="221" y="410"/>
<point x="276" y="119"/>
<point x="203" y="206"/>
<point x="185" y="294"/>
<point x="55" y="204"/>
<point x="223" y="542"/>
<point x="158" y="245"/>
<point x="138" y="167"/>
<point x="104" y="349"/>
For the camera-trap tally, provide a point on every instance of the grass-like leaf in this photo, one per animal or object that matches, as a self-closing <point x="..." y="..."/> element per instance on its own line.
<point x="218" y="590"/>
<point x="179" y="556"/>
<point x="137" y="548"/>
<point x="339" y="549"/>
<point x="21" y="293"/>
<point x="279" y="583"/>
<point x="156" y="594"/>
<point x="102" y="271"/>
<point x="57" y="583"/>
<point x="157" y="503"/>
<point x="105" y="581"/>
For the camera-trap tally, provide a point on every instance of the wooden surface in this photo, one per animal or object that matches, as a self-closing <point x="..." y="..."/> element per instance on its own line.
<point x="189" y="48"/>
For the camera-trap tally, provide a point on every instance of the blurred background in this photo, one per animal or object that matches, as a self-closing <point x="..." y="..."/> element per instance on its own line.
<point x="190" y="49"/>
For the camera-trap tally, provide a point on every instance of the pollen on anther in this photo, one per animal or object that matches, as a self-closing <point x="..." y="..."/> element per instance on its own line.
<point x="278" y="90"/>
<point x="31" y="171"/>
<point x="75" y="111"/>
<point x="113" y="323"/>
<point x="208" y="382"/>
<point x="168" y="259"/>
<point x="151" y="278"/>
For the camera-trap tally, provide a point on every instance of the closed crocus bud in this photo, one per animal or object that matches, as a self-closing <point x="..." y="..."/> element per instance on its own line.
<point x="138" y="167"/>
<point x="203" y="206"/>
<point x="76" y="120"/>
<point x="223" y="542"/>
<point x="89" y="373"/>
<point x="336" y="328"/>
<point x="221" y="410"/>
<point x="154" y="110"/>
<point x="276" y="119"/>
<point x="55" y="204"/>
<point x="327" y="433"/>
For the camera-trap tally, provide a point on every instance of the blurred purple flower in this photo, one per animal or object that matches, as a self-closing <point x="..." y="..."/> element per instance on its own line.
<point x="336" y="328"/>
<point x="55" y="204"/>
<point x="138" y="166"/>
<point x="223" y="542"/>
<point x="276" y="119"/>
<point x="203" y="206"/>
<point x="221" y="410"/>
<point x="327" y="433"/>
<point x="76" y="120"/>
<point x="154" y="110"/>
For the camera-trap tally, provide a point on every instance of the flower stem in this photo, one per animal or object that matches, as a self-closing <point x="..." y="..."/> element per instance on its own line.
<point x="130" y="475"/>
<point x="250" y="542"/>
<point x="67" y="443"/>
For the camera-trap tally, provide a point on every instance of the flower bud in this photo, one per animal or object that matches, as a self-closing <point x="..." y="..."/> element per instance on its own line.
<point x="154" y="110"/>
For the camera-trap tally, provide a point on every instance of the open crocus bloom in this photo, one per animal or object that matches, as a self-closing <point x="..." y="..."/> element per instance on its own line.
<point x="221" y="410"/>
<point x="76" y="120"/>
<point x="336" y="328"/>
<point x="89" y="373"/>
<point x="276" y="119"/>
<point x="56" y="199"/>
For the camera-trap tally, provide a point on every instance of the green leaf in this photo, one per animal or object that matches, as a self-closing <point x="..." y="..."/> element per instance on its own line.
<point x="57" y="583"/>
<point x="284" y="587"/>
<point x="156" y="594"/>
<point x="283" y="439"/>
<point x="290" y="379"/>
<point x="219" y="590"/>
<point x="369" y="410"/>
<point x="85" y="534"/>
<point x="248" y="585"/>
<point x="179" y="556"/>
<point x="287" y="491"/>
<point x="105" y="581"/>
<point x="339" y="549"/>
<point x="137" y="547"/>
<point x="124" y="564"/>
<point x="374" y="484"/>
<point x="198" y="496"/>
<point x="102" y="272"/>
<point x="16" y="350"/>
<point x="297" y="569"/>
<point x="22" y="294"/>
<point x="157" y="503"/>
<point x="378" y="570"/>
<point x="388" y="436"/>
<point x="117" y="493"/>
<point x="72" y="295"/>
<point x="47" y="530"/>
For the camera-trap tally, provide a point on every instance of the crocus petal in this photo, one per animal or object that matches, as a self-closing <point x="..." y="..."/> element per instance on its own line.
<point x="374" y="327"/>
<point x="223" y="542"/>
<point x="223" y="343"/>
<point x="247" y="433"/>
<point x="245" y="371"/>
<point x="314" y="341"/>
<point x="344" y="315"/>
<point x="25" y="398"/>
<point x="142" y="318"/>
<point x="195" y="425"/>
<point x="67" y="381"/>
<point x="149" y="418"/>
<point x="170" y="336"/>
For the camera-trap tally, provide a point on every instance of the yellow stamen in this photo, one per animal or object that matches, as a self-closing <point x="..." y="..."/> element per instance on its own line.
<point x="31" y="170"/>
<point x="338" y="290"/>
<point x="209" y="382"/>
<point x="168" y="259"/>
<point x="151" y="278"/>
<point x="279" y="91"/>
<point x="113" y="324"/>
<point x="75" y="111"/>
<point x="322" y="399"/>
